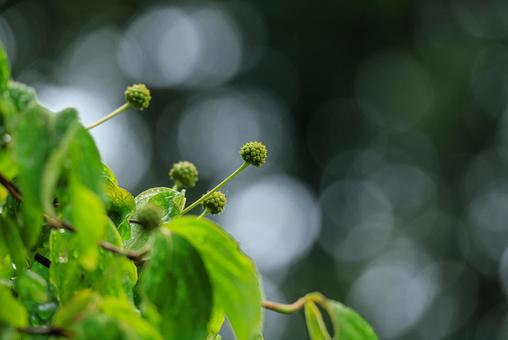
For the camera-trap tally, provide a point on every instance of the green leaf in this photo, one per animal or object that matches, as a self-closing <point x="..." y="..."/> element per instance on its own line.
<point x="31" y="139"/>
<point x="216" y="322"/>
<point x="91" y="316"/>
<point x="14" y="243"/>
<point x="129" y="320"/>
<point x="32" y="287"/>
<point x="89" y="218"/>
<point x="119" y="202"/>
<point x="12" y="312"/>
<point x="86" y="162"/>
<point x="98" y="326"/>
<point x="53" y="169"/>
<point x="84" y="302"/>
<point x="22" y="96"/>
<point x="7" y="165"/>
<point x="233" y="275"/>
<point x="65" y="273"/>
<point x="74" y="150"/>
<point x="315" y="325"/>
<point x="169" y="200"/>
<point x="108" y="174"/>
<point x="177" y="283"/>
<point x="348" y="324"/>
<point x="5" y="73"/>
<point x="115" y="274"/>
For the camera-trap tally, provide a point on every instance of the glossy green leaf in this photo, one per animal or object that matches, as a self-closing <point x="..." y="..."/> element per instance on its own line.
<point x="65" y="273"/>
<point x="13" y="242"/>
<point x="22" y="96"/>
<point x="115" y="274"/>
<point x="169" y="200"/>
<point x="83" y="302"/>
<point x="129" y="320"/>
<point x="97" y="326"/>
<point x="30" y="286"/>
<point x="86" y="162"/>
<point x="53" y="169"/>
<point x="216" y="322"/>
<point x="348" y="324"/>
<point x="233" y="275"/>
<point x="108" y="174"/>
<point x="32" y="140"/>
<point x="89" y="218"/>
<point x="90" y="316"/>
<point x="177" y="283"/>
<point x="119" y="202"/>
<point x="315" y="325"/>
<point x="7" y="166"/>
<point x="12" y="312"/>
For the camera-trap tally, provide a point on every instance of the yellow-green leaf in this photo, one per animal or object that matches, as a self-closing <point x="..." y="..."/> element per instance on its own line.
<point x="89" y="219"/>
<point x="315" y="325"/>
<point x="233" y="275"/>
<point x="348" y="324"/>
<point x="12" y="312"/>
<point x="176" y="282"/>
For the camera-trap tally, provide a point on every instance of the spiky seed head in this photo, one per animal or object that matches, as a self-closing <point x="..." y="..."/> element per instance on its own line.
<point x="184" y="174"/>
<point x="149" y="216"/>
<point x="138" y="96"/>
<point x="215" y="203"/>
<point x="254" y="153"/>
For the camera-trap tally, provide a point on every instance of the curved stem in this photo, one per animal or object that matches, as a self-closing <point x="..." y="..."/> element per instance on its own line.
<point x="295" y="306"/>
<point x="108" y="117"/>
<point x="217" y="187"/>
<point x="203" y="214"/>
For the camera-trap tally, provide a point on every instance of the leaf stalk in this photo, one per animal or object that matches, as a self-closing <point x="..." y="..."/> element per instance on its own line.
<point x="121" y="109"/>
<point x="217" y="187"/>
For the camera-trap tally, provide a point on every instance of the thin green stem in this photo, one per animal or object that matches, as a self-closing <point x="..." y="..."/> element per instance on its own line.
<point x="121" y="109"/>
<point x="203" y="214"/>
<point x="295" y="306"/>
<point x="217" y="187"/>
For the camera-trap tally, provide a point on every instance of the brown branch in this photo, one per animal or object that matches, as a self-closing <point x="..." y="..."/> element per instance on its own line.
<point x="130" y="254"/>
<point x="14" y="191"/>
<point x="11" y="187"/>
<point x="57" y="223"/>
<point x="48" y="331"/>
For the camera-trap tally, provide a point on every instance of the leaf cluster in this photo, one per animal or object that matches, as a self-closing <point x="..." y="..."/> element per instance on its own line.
<point x="81" y="257"/>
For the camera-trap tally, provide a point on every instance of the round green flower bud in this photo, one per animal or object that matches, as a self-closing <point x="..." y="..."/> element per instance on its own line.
<point x="184" y="174"/>
<point x="138" y="96"/>
<point x="254" y="153"/>
<point x="149" y="216"/>
<point x="215" y="203"/>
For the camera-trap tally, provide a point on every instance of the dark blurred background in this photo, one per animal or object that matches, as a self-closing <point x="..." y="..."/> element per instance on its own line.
<point x="387" y="180"/>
